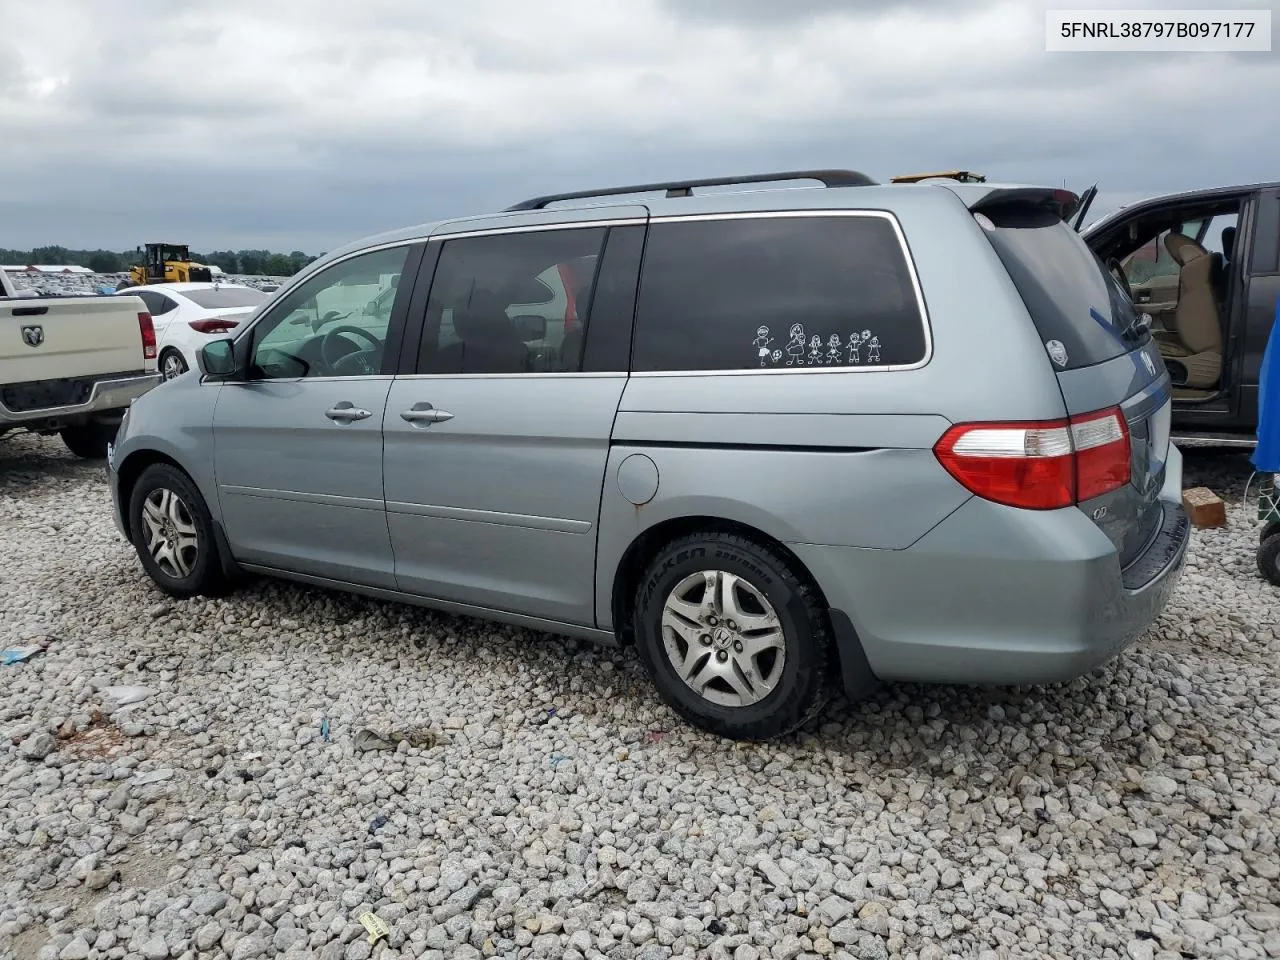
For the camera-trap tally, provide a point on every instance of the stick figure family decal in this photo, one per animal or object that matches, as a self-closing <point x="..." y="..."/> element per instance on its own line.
<point x="803" y="351"/>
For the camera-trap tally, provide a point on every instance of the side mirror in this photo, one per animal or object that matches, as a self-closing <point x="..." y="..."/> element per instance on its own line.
<point x="218" y="359"/>
<point x="530" y="327"/>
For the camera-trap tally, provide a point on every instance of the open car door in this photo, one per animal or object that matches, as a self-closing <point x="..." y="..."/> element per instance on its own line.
<point x="1086" y="200"/>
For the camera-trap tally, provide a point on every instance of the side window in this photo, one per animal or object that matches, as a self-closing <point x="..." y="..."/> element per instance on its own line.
<point x="1149" y="261"/>
<point x="156" y="304"/>
<point x="776" y="293"/>
<point x="511" y="303"/>
<point x="332" y="325"/>
<point x="1218" y="241"/>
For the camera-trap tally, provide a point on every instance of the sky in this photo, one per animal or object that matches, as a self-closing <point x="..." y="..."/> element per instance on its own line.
<point x="304" y="124"/>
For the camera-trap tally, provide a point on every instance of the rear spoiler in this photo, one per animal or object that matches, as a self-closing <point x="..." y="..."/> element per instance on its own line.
<point x="1063" y="202"/>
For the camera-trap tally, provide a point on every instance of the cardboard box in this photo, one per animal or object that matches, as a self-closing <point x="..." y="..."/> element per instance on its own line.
<point x="1205" y="507"/>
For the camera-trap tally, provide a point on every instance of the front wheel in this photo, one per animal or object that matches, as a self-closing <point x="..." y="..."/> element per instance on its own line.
<point x="172" y="364"/>
<point x="173" y="533"/>
<point x="734" y="636"/>
<point x="89" y="441"/>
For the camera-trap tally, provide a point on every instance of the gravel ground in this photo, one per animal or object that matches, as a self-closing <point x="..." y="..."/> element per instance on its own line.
<point x="554" y="809"/>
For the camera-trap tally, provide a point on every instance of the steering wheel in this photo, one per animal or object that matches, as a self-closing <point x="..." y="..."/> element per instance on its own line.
<point x="329" y="342"/>
<point x="1117" y="271"/>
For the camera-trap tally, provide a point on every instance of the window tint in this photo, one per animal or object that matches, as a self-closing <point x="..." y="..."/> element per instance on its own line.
<point x="216" y="297"/>
<point x="1071" y="296"/>
<point x="332" y="325"/>
<point x="157" y="305"/>
<point x="776" y="293"/>
<point x="511" y="303"/>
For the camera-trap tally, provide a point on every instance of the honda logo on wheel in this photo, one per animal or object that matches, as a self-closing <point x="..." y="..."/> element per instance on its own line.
<point x="33" y="336"/>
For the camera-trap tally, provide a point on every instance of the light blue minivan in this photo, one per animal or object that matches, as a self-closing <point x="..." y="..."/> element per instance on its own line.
<point x="776" y="439"/>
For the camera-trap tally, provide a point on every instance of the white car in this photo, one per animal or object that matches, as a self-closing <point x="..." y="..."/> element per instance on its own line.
<point x="189" y="315"/>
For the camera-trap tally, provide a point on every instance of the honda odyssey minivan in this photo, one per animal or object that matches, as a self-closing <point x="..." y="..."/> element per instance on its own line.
<point x="779" y="441"/>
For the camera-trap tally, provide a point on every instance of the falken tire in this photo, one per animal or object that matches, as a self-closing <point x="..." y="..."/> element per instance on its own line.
<point x="802" y="689"/>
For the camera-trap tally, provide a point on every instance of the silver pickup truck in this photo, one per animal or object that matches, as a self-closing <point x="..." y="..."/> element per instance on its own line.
<point x="72" y="365"/>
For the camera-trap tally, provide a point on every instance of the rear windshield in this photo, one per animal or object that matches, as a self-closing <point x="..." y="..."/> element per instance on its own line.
<point x="1081" y="313"/>
<point x="225" y="297"/>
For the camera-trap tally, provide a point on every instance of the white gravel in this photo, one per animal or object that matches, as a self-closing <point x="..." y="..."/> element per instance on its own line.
<point x="562" y="812"/>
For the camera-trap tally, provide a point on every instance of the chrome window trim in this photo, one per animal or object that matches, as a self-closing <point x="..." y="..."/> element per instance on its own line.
<point x="925" y="322"/>
<point x="362" y="379"/>
<point x="596" y="374"/>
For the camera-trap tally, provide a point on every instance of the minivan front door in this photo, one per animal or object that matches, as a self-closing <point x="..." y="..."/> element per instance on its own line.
<point x="496" y="445"/>
<point x="298" y="443"/>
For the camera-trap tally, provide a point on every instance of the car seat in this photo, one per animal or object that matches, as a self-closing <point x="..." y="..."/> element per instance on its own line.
<point x="1193" y="351"/>
<point x="487" y="340"/>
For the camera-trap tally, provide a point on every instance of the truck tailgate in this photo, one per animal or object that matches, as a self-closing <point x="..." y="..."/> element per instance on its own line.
<point x="70" y="337"/>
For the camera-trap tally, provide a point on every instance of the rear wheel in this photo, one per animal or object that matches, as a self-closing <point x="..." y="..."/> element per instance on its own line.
<point x="172" y="364"/>
<point x="1269" y="558"/>
<point x="173" y="533"/>
<point x="734" y="637"/>
<point x="89" y="441"/>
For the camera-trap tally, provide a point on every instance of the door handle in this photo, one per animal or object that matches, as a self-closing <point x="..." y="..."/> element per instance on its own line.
<point x="346" y="412"/>
<point x="424" y="412"/>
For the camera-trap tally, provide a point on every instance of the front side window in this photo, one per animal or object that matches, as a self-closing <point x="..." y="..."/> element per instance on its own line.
<point x="511" y="303"/>
<point x="776" y="293"/>
<point x="333" y="324"/>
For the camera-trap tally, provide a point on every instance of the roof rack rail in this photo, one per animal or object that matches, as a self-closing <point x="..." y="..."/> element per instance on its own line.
<point x="684" y="188"/>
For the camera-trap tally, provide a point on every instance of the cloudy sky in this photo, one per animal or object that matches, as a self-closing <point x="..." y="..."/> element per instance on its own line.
<point x="301" y="124"/>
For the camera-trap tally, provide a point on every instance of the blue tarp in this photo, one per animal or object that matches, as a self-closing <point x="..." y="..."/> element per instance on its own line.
<point x="1266" y="455"/>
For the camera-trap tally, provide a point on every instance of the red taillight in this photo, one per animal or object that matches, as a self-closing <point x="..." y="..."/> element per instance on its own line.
<point x="1102" y="453"/>
<point x="1043" y="465"/>
<point x="148" y="331"/>
<point x="213" y="326"/>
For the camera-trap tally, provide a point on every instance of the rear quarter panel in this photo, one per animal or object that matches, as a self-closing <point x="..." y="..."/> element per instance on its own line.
<point x="836" y="457"/>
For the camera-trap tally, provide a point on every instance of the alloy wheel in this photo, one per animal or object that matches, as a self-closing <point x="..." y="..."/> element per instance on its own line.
<point x="174" y="366"/>
<point x="172" y="539"/>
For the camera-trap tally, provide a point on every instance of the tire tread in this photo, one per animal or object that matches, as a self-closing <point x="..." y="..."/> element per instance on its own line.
<point x="817" y="622"/>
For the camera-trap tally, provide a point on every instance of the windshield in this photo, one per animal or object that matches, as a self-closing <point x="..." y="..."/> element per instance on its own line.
<point x="214" y="298"/>
<point x="1081" y="313"/>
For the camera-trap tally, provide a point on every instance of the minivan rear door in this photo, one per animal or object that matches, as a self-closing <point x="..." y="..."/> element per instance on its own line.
<point x="1102" y="354"/>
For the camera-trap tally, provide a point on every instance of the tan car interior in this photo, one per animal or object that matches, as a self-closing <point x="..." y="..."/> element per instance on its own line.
<point x="1195" y="339"/>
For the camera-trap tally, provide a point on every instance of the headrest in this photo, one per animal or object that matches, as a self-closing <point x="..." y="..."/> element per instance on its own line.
<point x="1183" y="249"/>
<point x="484" y="316"/>
<point x="1228" y="241"/>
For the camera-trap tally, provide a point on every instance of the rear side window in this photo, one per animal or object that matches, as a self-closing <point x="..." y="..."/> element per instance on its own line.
<point x="227" y="297"/>
<point x="776" y="293"/>
<point x="1078" y="308"/>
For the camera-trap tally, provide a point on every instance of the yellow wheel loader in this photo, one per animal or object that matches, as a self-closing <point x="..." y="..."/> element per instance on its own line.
<point x="166" y="263"/>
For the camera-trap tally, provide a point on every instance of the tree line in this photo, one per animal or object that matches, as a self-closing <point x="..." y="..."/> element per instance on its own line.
<point x="247" y="262"/>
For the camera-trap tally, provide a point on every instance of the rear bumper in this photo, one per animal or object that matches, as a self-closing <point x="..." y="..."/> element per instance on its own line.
<point x="114" y="393"/>
<point x="1003" y="596"/>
